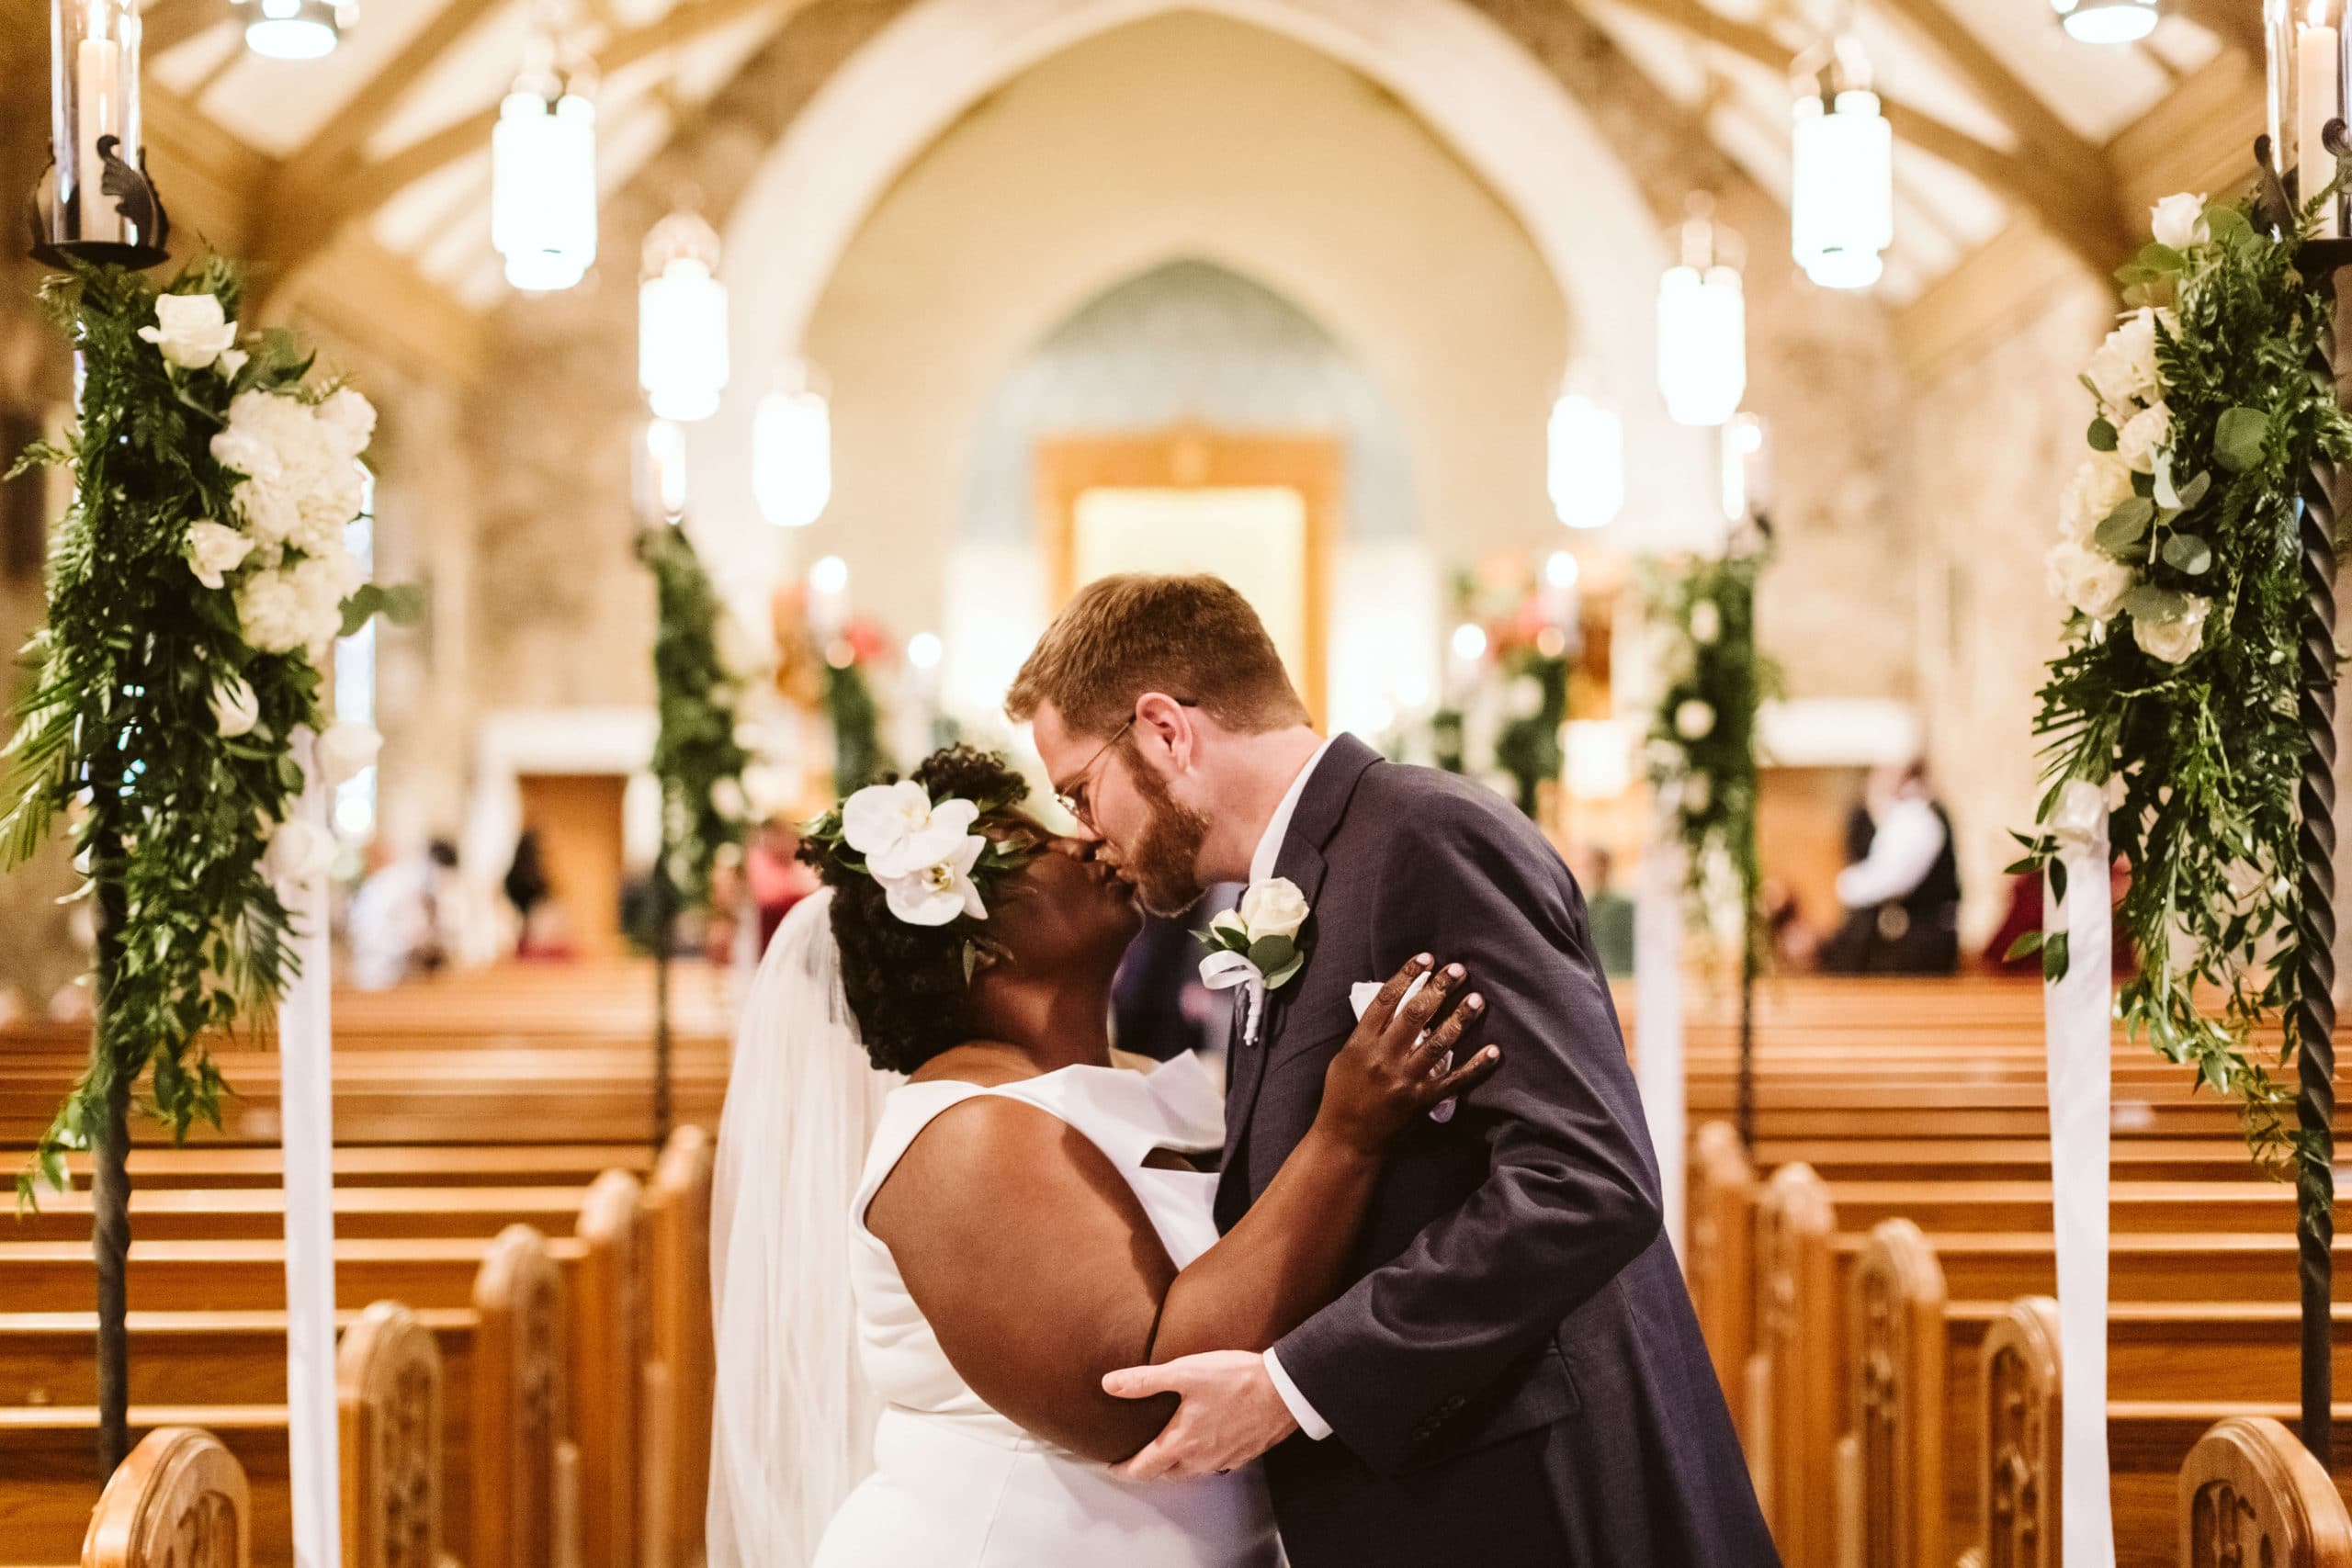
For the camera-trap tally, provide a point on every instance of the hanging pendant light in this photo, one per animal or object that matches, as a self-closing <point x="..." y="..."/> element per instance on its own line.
<point x="543" y="175"/>
<point x="1584" y="467"/>
<point x="682" y="319"/>
<point x="296" y="29"/>
<point x="1702" y="321"/>
<point x="2107" y="21"/>
<point x="792" y="449"/>
<point x="1841" y="198"/>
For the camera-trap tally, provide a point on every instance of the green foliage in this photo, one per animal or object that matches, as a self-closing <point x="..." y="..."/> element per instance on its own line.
<point x="697" y="758"/>
<point x="115" y="735"/>
<point x="1706" y="775"/>
<point x="1529" y="747"/>
<point x="2198" y="758"/>
<point x="858" y="756"/>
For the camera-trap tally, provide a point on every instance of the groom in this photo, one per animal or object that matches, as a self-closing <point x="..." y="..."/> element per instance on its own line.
<point x="1514" y="1376"/>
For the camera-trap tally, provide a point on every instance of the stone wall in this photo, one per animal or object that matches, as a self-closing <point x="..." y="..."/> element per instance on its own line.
<point x="1993" y="436"/>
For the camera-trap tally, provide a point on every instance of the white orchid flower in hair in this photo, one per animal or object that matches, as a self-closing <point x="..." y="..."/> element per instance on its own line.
<point x="936" y="894"/>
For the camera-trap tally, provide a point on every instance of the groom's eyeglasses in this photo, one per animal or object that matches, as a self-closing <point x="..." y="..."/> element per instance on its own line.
<point x="1076" y="799"/>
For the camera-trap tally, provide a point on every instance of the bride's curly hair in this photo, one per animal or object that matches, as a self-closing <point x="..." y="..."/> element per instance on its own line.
<point x="906" y="982"/>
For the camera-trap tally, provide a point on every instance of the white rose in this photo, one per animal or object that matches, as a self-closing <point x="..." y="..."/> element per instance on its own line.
<point x="1698" y="794"/>
<point x="1523" y="698"/>
<point x="726" y="796"/>
<point x="300" y="853"/>
<point x="934" y="894"/>
<point x="235" y="709"/>
<point x="1706" y="623"/>
<point x="231" y="360"/>
<point x="1273" y="907"/>
<point x="2179" y="221"/>
<point x="2088" y="579"/>
<point x="2173" y="641"/>
<point x="2142" y="435"/>
<point x="191" y="330"/>
<point x="1226" y="922"/>
<point x="739" y="656"/>
<point x="215" y="550"/>
<point x="2124" y="368"/>
<point x="347" y="750"/>
<point x="1693" y="720"/>
<point x="2098" y="487"/>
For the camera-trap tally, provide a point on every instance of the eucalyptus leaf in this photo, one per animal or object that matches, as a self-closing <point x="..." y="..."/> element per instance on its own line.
<point x="2154" y="605"/>
<point x="2196" y="490"/>
<point x="2102" y="436"/>
<point x="2238" y="438"/>
<point x="2190" y="554"/>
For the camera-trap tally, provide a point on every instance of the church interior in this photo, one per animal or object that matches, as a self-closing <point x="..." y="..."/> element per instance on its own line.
<point x="912" y="318"/>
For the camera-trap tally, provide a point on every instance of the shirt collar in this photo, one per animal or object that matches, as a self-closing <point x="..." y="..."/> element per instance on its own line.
<point x="1270" y="844"/>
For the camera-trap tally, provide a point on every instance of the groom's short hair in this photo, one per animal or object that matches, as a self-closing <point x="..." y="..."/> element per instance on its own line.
<point x="1192" y="637"/>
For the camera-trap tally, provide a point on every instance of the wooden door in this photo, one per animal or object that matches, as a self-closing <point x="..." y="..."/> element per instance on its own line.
<point x="578" y="819"/>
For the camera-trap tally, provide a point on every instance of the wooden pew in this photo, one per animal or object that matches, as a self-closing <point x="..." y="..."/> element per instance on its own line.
<point x="178" y="1500"/>
<point x="2251" y="1494"/>
<point x="389" y="1400"/>
<point x="528" y="1482"/>
<point x="682" y="1378"/>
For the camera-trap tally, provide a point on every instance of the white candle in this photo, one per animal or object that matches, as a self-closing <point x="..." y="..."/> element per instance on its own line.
<point x="2319" y="88"/>
<point x="98" y="112"/>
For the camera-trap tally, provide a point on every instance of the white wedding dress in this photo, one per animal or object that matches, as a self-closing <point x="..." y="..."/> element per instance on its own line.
<point x="842" y="1435"/>
<point x="957" y="1485"/>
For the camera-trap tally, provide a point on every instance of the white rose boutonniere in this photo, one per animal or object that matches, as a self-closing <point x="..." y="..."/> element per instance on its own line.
<point x="1262" y="945"/>
<point x="215" y="550"/>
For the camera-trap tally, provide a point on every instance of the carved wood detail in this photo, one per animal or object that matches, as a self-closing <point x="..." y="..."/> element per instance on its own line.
<point x="2251" y="1496"/>
<point x="609" y="1362"/>
<point x="1722" y="1220"/>
<point x="678" y="1229"/>
<point x="1794" y="1370"/>
<point x="2021" y="1426"/>
<point x="389" y="1391"/>
<point x="178" y="1500"/>
<point x="1895" y="1406"/>
<point x="521" y="1399"/>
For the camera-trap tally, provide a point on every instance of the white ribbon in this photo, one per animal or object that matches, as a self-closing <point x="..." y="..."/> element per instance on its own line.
<point x="2077" y="1012"/>
<point x="1658" y="1021"/>
<point x="306" y="1132"/>
<point x="1223" y="970"/>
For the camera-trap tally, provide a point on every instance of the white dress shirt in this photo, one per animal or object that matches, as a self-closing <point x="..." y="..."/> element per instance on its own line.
<point x="1903" y="852"/>
<point x="1262" y="868"/>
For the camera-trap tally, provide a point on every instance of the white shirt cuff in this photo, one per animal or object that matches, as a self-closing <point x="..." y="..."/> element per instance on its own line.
<point x="1313" y="1425"/>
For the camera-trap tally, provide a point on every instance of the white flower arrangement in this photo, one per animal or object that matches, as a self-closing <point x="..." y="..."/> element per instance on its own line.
<point x="2099" y="566"/>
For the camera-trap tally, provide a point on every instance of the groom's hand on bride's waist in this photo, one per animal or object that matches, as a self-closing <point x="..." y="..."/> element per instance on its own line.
<point x="1230" y="1414"/>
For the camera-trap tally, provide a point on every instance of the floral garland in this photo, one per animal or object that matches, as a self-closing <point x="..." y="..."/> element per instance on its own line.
<point x="194" y="588"/>
<point x="699" y="674"/>
<point x="2183" y="735"/>
<point x="1703" y="740"/>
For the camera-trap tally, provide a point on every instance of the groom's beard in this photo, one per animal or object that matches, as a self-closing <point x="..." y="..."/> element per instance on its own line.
<point x="1167" y="855"/>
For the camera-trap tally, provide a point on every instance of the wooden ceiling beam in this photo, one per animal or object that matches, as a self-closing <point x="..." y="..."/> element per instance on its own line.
<point x="344" y="136"/>
<point x="2237" y="23"/>
<point x="299" y="229"/>
<point x="167" y="24"/>
<point x="2043" y="132"/>
<point x="2078" y="204"/>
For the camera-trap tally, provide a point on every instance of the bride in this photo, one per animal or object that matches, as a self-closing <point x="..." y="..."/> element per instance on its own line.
<point x="1028" y="1218"/>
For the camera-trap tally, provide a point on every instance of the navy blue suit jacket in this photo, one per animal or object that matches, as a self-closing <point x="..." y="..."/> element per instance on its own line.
<point x="1514" y="1373"/>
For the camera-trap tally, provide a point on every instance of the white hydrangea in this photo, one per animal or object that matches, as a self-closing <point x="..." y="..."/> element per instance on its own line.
<point x="302" y="482"/>
<point x="298" y="605"/>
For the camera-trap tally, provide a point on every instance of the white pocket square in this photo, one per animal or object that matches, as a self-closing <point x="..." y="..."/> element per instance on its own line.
<point x="1361" y="996"/>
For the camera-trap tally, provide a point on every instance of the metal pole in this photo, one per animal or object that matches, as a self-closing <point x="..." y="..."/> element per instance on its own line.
<point x="665" y="919"/>
<point x="1747" y="965"/>
<point x="2314" y="1020"/>
<point x="110" y="1150"/>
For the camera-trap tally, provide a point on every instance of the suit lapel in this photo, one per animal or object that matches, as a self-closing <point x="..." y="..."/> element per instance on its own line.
<point x="1320" y="808"/>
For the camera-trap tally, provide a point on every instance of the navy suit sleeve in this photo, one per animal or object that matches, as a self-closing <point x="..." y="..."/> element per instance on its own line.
<point x="1571" y="1193"/>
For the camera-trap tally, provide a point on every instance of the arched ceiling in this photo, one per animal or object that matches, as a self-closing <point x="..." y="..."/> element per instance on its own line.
<point x="1997" y="111"/>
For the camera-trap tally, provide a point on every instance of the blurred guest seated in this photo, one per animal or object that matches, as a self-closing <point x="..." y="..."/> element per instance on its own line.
<point x="408" y="919"/>
<point x="542" y="931"/>
<point x="1790" y="944"/>
<point x="1609" y="908"/>
<point x="1901" y="893"/>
